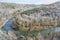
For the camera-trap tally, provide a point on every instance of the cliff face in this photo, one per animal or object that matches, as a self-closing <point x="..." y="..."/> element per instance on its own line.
<point x="31" y="19"/>
<point x="40" y="18"/>
<point x="7" y="10"/>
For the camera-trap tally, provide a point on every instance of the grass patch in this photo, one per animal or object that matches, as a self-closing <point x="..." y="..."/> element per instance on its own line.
<point x="35" y="10"/>
<point x="27" y="33"/>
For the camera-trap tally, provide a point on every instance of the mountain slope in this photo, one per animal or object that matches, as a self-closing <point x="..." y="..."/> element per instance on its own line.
<point x="7" y="10"/>
<point x="40" y="18"/>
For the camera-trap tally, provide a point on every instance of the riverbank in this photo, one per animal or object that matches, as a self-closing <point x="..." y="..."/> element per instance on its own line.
<point x="4" y="23"/>
<point x="34" y="34"/>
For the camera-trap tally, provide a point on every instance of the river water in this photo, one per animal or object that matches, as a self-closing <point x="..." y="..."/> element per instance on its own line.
<point x="8" y="26"/>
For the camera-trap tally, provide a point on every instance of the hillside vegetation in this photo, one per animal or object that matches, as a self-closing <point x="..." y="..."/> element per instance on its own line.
<point x="31" y="20"/>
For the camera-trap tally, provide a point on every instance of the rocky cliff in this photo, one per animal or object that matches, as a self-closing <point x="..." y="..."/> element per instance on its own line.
<point x="31" y="19"/>
<point x="39" y="18"/>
